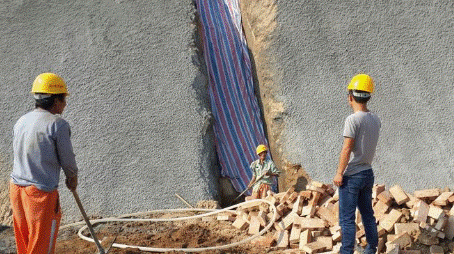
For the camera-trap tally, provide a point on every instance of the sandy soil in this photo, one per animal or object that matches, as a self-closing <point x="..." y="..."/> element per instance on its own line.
<point x="181" y="234"/>
<point x="189" y="234"/>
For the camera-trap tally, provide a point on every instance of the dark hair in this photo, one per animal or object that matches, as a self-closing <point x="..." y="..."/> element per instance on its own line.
<point x="47" y="103"/>
<point x="359" y="99"/>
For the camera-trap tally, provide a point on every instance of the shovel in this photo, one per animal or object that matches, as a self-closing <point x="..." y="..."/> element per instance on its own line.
<point x="90" y="227"/>
<point x="256" y="180"/>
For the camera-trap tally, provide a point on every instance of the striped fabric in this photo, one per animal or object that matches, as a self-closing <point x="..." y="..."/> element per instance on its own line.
<point x="238" y="125"/>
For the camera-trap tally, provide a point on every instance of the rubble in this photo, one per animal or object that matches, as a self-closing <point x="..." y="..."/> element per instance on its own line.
<point x="308" y="220"/>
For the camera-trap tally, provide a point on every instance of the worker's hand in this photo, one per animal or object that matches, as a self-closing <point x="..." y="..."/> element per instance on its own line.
<point x="71" y="183"/>
<point x="338" y="179"/>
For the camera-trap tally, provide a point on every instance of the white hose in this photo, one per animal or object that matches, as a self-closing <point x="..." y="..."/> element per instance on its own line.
<point x="143" y="248"/>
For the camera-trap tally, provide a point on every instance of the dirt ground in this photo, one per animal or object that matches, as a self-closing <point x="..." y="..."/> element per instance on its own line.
<point x="187" y="234"/>
<point x="193" y="233"/>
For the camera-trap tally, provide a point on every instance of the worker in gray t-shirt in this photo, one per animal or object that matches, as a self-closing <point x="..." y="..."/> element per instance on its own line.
<point x="354" y="175"/>
<point x="42" y="148"/>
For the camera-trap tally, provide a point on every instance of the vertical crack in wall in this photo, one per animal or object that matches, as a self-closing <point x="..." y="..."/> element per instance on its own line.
<point x="259" y="24"/>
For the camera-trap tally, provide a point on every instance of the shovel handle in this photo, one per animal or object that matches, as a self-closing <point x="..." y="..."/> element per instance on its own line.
<point x="241" y="194"/>
<point x="256" y="180"/>
<point x="87" y="221"/>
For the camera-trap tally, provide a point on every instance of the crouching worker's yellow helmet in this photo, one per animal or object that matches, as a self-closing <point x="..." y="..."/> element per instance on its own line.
<point x="261" y="148"/>
<point x="49" y="83"/>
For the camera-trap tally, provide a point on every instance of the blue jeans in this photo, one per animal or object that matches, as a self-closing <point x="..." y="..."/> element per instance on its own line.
<point x="356" y="191"/>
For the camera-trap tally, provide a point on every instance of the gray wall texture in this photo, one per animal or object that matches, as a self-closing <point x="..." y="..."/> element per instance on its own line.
<point x="138" y="104"/>
<point x="406" y="46"/>
<point x="139" y="108"/>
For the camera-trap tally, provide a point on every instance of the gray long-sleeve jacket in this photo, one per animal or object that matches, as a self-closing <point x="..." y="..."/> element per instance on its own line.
<point x="42" y="147"/>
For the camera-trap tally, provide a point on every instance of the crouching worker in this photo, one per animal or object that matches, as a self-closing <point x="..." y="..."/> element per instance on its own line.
<point x="263" y="171"/>
<point x="42" y="147"/>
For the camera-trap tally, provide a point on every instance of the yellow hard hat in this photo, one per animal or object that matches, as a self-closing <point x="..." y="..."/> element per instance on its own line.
<point x="49" y="83"/>
<point x="261" y="148"/>
<point x="362" y="82"/>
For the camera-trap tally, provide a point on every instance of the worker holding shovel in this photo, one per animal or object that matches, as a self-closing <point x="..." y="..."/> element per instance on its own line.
<point x="354" y="175"/>
<point x="263" y="171"/>
<point x="42" y="147"/>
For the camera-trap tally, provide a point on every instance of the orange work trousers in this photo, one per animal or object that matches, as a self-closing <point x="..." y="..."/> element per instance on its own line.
<point x="261" y="192"/>
<point x="36" y="216"/>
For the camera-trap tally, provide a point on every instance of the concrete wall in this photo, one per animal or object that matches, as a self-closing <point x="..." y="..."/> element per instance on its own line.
<point x="139" y="110"/>
<point x="406" y="46"/>
<point x="138" y="107"/>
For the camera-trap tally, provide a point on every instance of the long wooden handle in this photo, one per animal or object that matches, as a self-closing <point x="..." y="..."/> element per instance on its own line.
<point x="256" y="180"/>
<point x="241" y="194"/>
<point x="87" y="221"/>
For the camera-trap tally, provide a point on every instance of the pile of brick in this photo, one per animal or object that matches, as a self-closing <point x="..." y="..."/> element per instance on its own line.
<point x="307" y="221"/>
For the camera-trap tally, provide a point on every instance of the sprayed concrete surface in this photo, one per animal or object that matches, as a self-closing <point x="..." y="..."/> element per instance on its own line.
<point x="138" y="104"/>
<point x="407" y="47"/>
<point x="139" y="107"/>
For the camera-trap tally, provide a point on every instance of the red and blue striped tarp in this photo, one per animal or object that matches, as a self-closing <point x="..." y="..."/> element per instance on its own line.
<point x="238" y="124"/>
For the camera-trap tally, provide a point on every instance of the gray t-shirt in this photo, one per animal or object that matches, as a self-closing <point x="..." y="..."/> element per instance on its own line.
<point x="364" y="128"/>
<point x="42" y="147"/>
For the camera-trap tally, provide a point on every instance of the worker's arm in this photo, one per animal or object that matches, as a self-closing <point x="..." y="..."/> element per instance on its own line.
<point x="344" y="157"/>
<point x="71" y="182"/>
<point x="66" y="155"/>
<point x="252" y="181"/>
<point x="273" y="171"/>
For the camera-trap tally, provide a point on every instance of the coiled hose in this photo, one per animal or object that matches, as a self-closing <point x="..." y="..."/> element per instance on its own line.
<point x="210" y="212"/>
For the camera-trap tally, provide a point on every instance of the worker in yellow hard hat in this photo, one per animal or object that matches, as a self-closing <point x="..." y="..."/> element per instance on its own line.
<point x="42" y="148"/>
<point x="263" y="171"/>
<point x="354" y="175"/>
